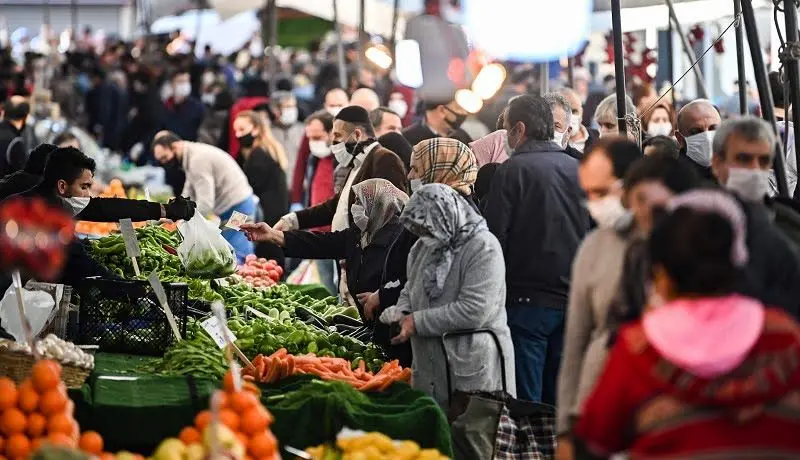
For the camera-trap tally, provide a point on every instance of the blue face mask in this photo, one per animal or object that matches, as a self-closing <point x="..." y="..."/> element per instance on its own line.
<point x="304" y="92"/>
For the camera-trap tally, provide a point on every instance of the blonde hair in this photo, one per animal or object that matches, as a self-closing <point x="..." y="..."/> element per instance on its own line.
<point x="265" y="139"/>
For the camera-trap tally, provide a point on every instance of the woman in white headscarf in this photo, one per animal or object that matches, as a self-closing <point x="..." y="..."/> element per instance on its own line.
<point x="456" y="282"/>
<point x="375" y="211"/>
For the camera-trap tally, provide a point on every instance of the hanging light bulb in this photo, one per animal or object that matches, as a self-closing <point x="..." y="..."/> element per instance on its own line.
<point x="468" y="100"/>
<point x="489" y="80"/>
<point x="409" y="63"/>
<point x="379" y="55"/>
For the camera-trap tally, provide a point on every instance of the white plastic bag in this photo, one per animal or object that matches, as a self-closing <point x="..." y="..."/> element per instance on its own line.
<point x="305" y="273"/>
<point x="39" y="306"/>
<point x="203" y="251"/>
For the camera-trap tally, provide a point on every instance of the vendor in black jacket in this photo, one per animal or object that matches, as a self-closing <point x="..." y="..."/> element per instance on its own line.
<point x="375" y="225"/>
<point x="67" y="180"/>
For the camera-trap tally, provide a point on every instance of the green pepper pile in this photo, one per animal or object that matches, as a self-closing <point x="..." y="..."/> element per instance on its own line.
<point x="157" y="246"/>
<point x="279" y="302"/>
<point x="199" y="355"/>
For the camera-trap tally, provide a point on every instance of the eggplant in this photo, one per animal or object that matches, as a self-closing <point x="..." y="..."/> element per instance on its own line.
<point x="346" y="320"/>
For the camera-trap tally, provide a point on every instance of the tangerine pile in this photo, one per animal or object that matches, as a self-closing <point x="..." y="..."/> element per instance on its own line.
<point x="242" y="412"/>
<point x="39" y="411"/>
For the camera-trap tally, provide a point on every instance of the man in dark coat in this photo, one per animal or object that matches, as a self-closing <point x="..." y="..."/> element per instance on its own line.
<point x="441" y="119"/>
<point x="696" y="124"/>
<point x="27" y="178"/>
<point x="539" y="244"/>
<point x="354" y="147"/>
<point x="13" y="152"/>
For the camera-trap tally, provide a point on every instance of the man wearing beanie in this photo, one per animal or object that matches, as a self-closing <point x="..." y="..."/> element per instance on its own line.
<point x="355" y="148"/>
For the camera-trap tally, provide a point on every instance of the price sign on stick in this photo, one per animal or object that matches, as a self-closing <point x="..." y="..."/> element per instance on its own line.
<point x="131" y="243"/>
<point x="16" y="279"/>
<point x="219" y="312"/>
<point x="161" y="295"/>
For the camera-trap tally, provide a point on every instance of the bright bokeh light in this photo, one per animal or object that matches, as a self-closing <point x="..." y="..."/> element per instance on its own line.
<point x="469" y="101"/>
<point x="489" y="81"/>
<point x="379" y="55"/>
<point x="529" y="30"/>
<point x="409" y="64"/>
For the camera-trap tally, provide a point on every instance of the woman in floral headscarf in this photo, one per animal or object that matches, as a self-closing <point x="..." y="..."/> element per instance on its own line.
<point x="457" y="283"/>
<point x="375" y="210"/>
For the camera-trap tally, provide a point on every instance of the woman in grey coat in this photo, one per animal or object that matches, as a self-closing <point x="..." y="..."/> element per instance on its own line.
<point x="456" y="281"/>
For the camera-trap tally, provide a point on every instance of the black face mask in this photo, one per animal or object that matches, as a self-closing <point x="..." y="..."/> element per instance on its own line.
<point x="457" y="122"/>
<point x="174" y="163"/>
<point x="18" y="112"/>
<point x="247" y="140"/>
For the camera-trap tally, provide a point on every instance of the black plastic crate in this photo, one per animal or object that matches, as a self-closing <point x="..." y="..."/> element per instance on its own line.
<point x="124" y="316"/>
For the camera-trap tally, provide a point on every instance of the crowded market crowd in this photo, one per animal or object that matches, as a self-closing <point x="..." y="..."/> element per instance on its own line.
<point x="647" y="286"/>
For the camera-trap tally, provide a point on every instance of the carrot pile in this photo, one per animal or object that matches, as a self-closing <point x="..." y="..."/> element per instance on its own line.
<point x="279" y="365"/>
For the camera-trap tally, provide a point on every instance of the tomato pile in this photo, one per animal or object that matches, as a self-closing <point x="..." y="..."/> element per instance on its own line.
<point x="260" y="272"/>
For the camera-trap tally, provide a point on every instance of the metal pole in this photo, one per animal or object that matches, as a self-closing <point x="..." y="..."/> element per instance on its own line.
<point x="571" y="72"/>
<point x="272" y="65"/>
<point x="671" y="64"/>
<point x="687" y="49"/>
<point x="73" y="10"/>
<point x="339" y="46"/>
<point x="764" y="90"/>
<point x="619" y="66"/>
<point x="46" y="13"/>
<point x="737" y="10"/>
<point x="544" y="78"/>
<point x="792" y="70"/>
<point x="395" y="17"/>
<point x="362" y="29"/>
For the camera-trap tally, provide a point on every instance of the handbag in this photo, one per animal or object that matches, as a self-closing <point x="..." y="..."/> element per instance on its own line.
<point x="495" y="425"/>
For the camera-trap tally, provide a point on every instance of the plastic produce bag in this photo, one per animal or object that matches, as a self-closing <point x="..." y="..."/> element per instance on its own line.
<point x="203" y="251"/>
<point x="305" y="273"/>
<point x="39" y="306"/>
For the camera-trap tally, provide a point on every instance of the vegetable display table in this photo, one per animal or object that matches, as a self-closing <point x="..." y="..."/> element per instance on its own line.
<point x="135" y="411"/>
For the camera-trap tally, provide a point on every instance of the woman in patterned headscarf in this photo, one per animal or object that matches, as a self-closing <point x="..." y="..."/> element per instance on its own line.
<point x="458" y="284"/>
<point x="433" y="161"/>
<point x="443" y="161"/>
<point x="375" y="211"/>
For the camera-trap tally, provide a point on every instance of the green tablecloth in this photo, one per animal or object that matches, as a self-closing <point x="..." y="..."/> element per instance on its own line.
<point x="135" y="411"/>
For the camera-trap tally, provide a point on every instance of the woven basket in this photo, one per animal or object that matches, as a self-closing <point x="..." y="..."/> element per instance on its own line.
<point x="17" y="365"/>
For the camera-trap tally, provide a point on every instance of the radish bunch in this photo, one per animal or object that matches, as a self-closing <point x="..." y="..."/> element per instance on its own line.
<point x="259" y="272"/>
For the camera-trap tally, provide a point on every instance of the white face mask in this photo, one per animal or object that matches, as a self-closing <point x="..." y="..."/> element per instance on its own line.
<point x="575" y="124"/>
<point x="415" y="184"/>
<point x="319" y="149"/>
<point x="359" y="216"/>
<point x="289" y="116"/>
<point x="698" y="148"/>
<point x="750" y="184"/>
<point x="558" y="138"/>
<point x="341" y="154"/>
<point x="333" y="110"/>
<point x="659" y="129"/>
<point x="398" y="106"/>
<point x="183" y="90"/>
<point x="166" y="92"/>
<point x="208" y="98"/>
<point x="606" y="211"/>
<point x="76" y="204"/>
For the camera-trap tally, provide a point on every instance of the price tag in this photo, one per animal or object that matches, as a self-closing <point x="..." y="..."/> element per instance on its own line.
<point x="129" y="236"/>
<point x="217" y="331"/>
<point x="161" y="295"/>
<point x="236" y="220"/>
<point x="257" y="313"/>
<point x="131" y="243"/>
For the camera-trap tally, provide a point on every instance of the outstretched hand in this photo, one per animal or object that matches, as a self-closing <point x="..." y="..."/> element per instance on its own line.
<point x="260" y="232"/>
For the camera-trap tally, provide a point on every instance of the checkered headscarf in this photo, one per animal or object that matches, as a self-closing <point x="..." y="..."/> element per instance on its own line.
<point x="444" y="161"/>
